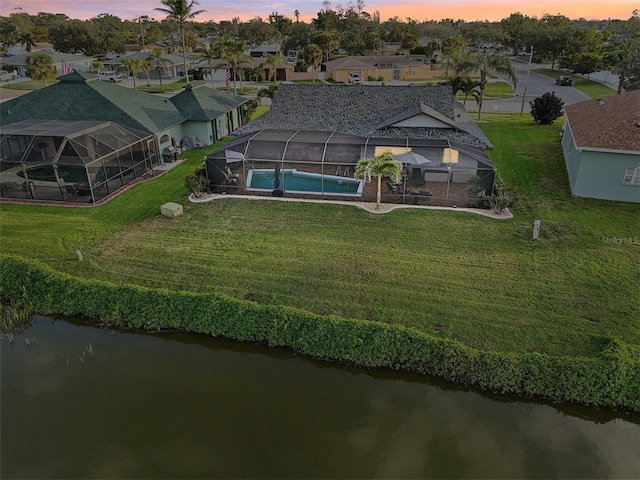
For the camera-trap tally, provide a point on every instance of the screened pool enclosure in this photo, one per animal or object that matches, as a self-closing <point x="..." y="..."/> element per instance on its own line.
<point x="71" y="161"/>
<point x="315" y="164"/>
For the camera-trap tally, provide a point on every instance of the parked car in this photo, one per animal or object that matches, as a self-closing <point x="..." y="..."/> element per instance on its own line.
<point x="523" y="54"/>
<point x="355" y="78"/>
<point x="565" y="81"/>
<point x="6" y="75"/>
<point x="109" y="76"/>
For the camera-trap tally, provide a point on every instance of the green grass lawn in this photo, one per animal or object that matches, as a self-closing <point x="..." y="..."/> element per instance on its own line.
<point x="588" y="87"/>
<point x="29" y="85"/>
<point x="481" y="281"/>
<point x="498" y="90"/>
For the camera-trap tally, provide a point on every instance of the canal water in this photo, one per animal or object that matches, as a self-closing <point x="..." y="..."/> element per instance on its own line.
<point x="79" y="401"/>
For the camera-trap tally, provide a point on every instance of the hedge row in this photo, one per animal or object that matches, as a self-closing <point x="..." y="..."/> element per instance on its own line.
<point x="611" y="379"/>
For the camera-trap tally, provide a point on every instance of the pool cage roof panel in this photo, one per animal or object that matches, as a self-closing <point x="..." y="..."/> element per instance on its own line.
<point x="65" y="142"/>
<point x="312" y="146"/>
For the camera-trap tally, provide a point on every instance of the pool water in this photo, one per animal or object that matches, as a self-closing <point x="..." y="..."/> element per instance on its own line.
<point x="294" y="181"/>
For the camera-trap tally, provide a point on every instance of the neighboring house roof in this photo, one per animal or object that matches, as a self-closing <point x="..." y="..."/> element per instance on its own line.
<point x="80" y="96"/>
<point x="610" y="123"/>
<point x="369" y="61"/>
<point x="170" y="58"/>
<point x="56" y="57"/>
<point x="370" y="111"/>
<point x="202" y="103"/>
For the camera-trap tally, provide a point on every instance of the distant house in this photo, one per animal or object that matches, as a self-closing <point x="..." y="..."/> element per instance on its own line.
<point x="601" y="145"/>
<point x="315" y="135"/>
<point x="172" y="68"/>
<point x="385" y="67"/>
<point x="77" y="62"/>
<point x="78" y="103"/>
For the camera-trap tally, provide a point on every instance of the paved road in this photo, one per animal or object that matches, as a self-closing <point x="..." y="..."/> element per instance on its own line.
<point x="536" y="85"/>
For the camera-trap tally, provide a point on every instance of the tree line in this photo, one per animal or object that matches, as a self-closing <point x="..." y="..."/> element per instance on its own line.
<point x="580" y="46"/>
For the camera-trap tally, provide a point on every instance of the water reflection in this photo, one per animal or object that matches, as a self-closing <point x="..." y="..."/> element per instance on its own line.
<point x="175" y="405"/>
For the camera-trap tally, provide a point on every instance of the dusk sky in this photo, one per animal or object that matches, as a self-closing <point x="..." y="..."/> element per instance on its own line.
<point x="416" y="9"/>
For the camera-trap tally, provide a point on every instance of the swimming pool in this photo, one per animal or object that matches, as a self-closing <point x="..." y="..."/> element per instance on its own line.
<point x="294" y="181"/>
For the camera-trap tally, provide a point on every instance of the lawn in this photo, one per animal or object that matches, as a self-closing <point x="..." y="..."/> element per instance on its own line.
<point x="478" y="280"/>
<point x="29" y="85"/>
<point x="495" y="90"/>
<point x="588" y="87"/>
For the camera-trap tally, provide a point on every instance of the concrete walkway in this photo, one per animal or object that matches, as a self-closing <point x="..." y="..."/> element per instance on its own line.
<point x="367" y="206"/>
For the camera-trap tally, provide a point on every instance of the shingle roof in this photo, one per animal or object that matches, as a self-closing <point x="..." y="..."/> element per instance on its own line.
<point x="611" y="123"/>
<point x="79" y="97"/>
<point x="200" y="102"/>
<point x="368" y="110"/>
<point x="369" y="61"/>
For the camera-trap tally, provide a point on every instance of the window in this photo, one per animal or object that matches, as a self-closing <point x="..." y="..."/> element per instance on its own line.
<point x="632" y="176"/>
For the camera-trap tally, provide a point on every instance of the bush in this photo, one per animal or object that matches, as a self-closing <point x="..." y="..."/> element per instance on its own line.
<point x="610" y="379"/>
<point x="198" y="184"/>
<point x="546" y="109"/>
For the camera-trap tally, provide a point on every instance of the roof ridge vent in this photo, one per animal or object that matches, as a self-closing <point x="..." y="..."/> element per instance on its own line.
<point x="600" y="101"/>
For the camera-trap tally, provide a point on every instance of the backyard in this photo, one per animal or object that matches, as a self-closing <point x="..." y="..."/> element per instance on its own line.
<point x="481" y="281"/>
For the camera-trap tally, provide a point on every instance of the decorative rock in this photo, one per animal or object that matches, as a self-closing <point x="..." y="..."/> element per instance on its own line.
<point x="171" y="210"/>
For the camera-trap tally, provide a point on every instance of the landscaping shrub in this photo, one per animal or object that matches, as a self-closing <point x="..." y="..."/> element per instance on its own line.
<point x="610" y="379"/>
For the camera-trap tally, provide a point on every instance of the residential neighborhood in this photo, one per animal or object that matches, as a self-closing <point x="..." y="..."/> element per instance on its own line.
<point x="372" y="240"/>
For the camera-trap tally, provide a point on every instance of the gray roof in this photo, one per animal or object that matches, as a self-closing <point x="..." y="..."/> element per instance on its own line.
<point x="369" y="111"/>
<point x="369" y="61"/>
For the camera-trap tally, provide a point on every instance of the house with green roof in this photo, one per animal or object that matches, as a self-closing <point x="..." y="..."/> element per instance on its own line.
<point x="37" y="166"/>
<point x="206" y="113"/>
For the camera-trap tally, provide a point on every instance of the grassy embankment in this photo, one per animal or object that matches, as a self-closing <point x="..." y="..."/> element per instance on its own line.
<point x="480" y="281"/>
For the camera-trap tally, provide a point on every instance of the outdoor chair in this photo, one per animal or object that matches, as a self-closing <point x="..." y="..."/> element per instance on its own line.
<point x="393" y="187"/>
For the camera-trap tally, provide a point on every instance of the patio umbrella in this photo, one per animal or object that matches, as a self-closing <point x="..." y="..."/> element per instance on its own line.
<point x="411" y="158"/>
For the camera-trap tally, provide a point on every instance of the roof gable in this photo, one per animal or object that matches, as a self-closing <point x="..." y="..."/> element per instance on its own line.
<point x="203" y="103"/>
<point x="610" y="123"/>
<point x="78" y="97"/>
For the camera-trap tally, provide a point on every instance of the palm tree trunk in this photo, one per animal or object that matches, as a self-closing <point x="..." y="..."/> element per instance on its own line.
<point x="379" y="194"/>
<point x="184" y="53"/>
<point x="160" y="77"/>
<point x="211" y="74"/>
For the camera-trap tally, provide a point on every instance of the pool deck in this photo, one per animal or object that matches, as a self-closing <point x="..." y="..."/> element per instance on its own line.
<point x="367" y="206"/>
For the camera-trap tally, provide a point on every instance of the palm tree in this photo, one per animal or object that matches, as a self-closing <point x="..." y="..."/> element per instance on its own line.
<point x="40" y="67"/>
<point x="95" y="66"/>
<point x="483" y="64"/>
<point x="312" y="54"/>
<point x="132" y="65"/>
<point x="180" y="11"/>
<point x="466" y="85"/>
<point x="380" y="166"/>
<point x="210" y="54"/>
<point x="272" y="62"/>
<point x="268" y="92"/>
<point x="26" y="41"/>
<point x="145" y="67"/>
<point x="156" y="56"/>
<point x="235" y="58"/>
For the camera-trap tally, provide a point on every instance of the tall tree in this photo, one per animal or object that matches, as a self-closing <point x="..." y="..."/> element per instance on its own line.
<point x="180" y="11"/>
<point x="235" y="57"/>
<point x="26" y="41"/>
<point x="40" y="67"/>
<point x="156" y="57"/>
<point x="381" y="166"/>
<point x="210" y="54"/>
<point x="272" y="62"/>
<point x="312" y="55"/>
<point x="623" y="58"/>
<point x="483" y="64"/>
